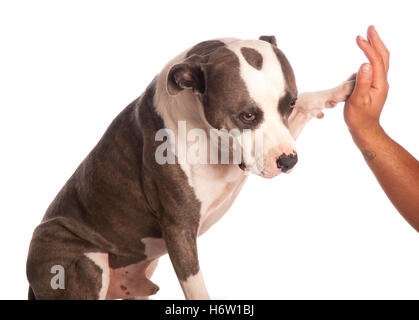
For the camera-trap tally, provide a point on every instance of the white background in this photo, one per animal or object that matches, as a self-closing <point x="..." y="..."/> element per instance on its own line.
<point x="325" y="231"/>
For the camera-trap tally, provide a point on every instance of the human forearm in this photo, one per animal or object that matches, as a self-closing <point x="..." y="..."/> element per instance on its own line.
<point x="396" y="170"/>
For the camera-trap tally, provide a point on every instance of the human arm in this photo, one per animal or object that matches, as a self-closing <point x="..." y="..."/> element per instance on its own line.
<point x="396" y="169"/>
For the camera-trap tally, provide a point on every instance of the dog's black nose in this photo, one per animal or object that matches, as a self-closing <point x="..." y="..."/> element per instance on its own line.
<point x="287" y="162"/>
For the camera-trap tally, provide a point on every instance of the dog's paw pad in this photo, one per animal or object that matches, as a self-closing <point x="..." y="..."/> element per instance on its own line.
<point x="331" y="103"/>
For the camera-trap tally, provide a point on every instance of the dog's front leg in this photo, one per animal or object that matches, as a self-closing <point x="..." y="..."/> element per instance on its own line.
<point x="311" y="104"/>
<point x="181" y="245"/>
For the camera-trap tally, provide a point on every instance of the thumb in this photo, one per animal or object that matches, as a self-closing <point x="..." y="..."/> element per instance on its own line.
<point x="363" y="81"/>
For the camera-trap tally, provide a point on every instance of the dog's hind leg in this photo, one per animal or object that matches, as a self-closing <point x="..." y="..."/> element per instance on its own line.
<point x="31" y="295"/>
<point x="57" y="268"/>
<point x="62" y="279"/>
<point x="148" y="273"/>
<point x="132" y="281"/>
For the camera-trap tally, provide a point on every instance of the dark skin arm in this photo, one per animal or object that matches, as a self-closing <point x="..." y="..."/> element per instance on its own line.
<point x="396" y="170"/>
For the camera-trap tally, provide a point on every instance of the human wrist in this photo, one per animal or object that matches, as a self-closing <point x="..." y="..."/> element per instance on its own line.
<point x="366" y="137"/>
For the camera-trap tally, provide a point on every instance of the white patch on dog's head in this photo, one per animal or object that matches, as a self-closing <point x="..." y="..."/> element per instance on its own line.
<point x="267" y="85"/>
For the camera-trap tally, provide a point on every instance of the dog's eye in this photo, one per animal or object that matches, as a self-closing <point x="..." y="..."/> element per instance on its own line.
<point x="292" y="102"/>
<point x="247" y="117"/>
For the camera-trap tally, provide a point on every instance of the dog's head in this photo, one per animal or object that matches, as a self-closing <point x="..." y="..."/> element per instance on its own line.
<point x="247" y="85"/>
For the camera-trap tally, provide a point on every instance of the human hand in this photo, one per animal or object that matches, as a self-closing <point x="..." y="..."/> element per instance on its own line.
<point x="363" y="108"/>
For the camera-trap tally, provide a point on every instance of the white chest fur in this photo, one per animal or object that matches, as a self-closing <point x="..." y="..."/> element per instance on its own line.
<point x="216" y="187"/>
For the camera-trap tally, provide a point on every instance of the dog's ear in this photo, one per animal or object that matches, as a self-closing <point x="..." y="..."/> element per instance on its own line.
<point x="190" y="74"/>
<point x="270" y="39"/>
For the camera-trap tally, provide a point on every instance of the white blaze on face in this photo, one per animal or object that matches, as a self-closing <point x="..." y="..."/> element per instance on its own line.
<point x="266" y="87"/>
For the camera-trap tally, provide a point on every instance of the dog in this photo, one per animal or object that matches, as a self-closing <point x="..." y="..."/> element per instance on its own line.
<point x="121" y="209"/>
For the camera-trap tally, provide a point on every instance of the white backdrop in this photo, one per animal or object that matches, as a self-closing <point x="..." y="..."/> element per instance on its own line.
<point x="325" y="231"/>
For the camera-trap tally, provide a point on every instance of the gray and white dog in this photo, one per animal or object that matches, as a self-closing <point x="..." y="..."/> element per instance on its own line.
<point x="121" y="210"/>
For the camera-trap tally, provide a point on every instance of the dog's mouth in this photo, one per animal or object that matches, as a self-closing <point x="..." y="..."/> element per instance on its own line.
<point x="262" y="173"/>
